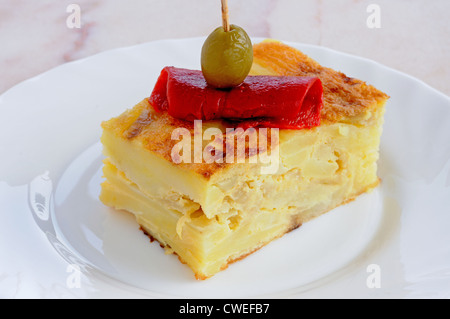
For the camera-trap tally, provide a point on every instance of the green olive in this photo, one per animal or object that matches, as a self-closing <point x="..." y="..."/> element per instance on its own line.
<point x="227" y="57"/>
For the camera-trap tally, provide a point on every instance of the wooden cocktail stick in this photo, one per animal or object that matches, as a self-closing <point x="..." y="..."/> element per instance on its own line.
<point x="225" y="16"/>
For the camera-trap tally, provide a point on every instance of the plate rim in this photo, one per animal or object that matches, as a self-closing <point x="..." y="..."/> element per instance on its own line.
<point x="254" y="40"/>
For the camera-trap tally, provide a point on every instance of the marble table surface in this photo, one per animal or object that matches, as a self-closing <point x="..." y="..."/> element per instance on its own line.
<point x="411" y="36"/>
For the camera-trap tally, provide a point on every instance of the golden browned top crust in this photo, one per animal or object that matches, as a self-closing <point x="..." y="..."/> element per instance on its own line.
<point x="153" y="130"/>
<point x="344" y="97"/>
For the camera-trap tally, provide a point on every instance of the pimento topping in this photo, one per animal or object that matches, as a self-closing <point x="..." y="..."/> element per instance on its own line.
<point x="285" y="102"/>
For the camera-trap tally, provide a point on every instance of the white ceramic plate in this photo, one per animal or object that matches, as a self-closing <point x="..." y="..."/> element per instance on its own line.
<point x="59" y="241"/>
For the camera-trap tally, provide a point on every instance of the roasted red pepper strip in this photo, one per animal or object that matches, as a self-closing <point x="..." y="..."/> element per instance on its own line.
<point x="286" y="102"/>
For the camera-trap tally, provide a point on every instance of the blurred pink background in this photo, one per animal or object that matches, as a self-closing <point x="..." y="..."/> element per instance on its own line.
<point x="414" y="36"/>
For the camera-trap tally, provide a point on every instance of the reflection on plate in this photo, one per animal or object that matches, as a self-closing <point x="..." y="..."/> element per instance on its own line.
<point x="63" y="242"/>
